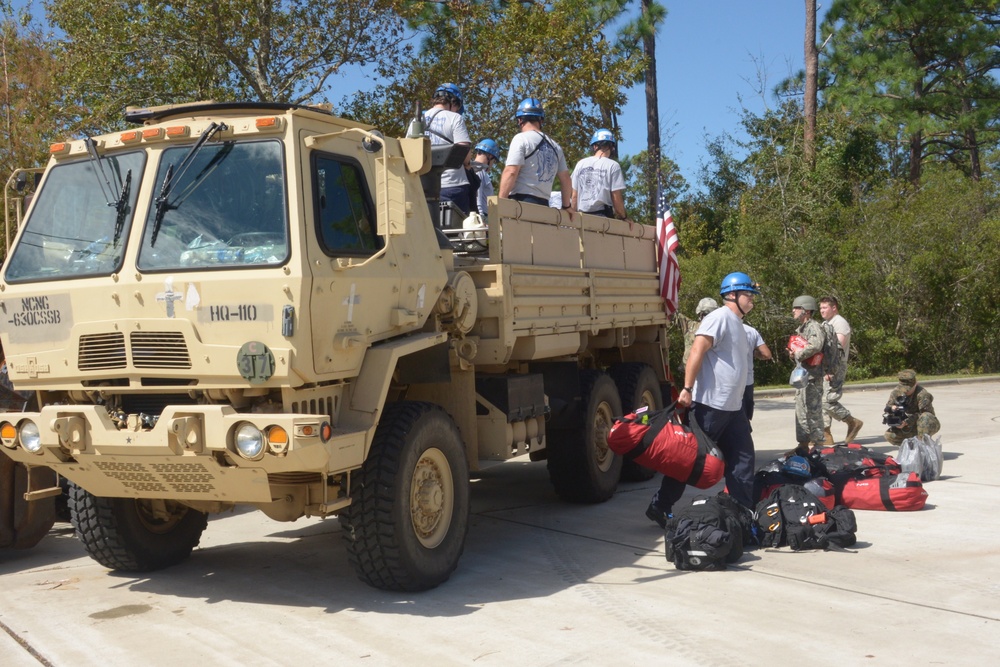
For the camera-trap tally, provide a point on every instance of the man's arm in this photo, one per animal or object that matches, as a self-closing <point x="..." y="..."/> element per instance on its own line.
<point x="762" y="352"/>
<point x="567" y="190"/>
<point x="702" y="344"/>
<point x="507" y="180"/>
<point x="618" y="203"/>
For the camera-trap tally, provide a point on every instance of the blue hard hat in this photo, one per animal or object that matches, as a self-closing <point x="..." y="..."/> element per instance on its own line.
<point x="453" y="90"/>
<point x="530" y="106"/>
<point x="798" y="466"/>
<point x="738" y="282"/>
<point x="602" y="135"/>
<point x="489" y="147"/>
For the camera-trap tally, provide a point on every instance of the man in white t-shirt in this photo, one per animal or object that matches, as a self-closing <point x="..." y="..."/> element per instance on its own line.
<point x="758" y="350"/>
<point x="598" y="184"/>
<point x="833" y="387"/>
<point x="534" y="161"/>
<point x="714" y="382"/>
<point x="444" y="124"/>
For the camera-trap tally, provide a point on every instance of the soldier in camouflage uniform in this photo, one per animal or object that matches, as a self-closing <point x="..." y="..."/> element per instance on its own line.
<point x="919" y="414"/>
<point x="690" y="326"/>
<point x="809" y="399"/>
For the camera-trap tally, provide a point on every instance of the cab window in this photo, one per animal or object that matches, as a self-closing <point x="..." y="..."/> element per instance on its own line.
<point x="343" y="211"/>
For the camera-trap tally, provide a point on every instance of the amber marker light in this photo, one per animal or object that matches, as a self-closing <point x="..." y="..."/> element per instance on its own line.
<point x="178" y="131"/>
<point x="60" y="148"/>
<point x="277" y="439"/>
<point x="8" y="435"/>
<point x="325" y="432"/>
<point x="151" y="133"/>
<point x="130" y="136"/>
<point x="267" y="123"/>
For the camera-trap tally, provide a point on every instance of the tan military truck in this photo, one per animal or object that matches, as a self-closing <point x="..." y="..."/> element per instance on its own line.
<point x="252" y="304"/>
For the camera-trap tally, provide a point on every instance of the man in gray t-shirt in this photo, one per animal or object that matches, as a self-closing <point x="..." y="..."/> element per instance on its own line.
<point x="598" y="184"/>
<point x="444" y="124"/>
<point x="533" y="161"/>
<point x="714" y="381"/>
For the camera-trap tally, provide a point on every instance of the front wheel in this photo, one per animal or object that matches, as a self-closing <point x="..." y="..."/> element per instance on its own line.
<point x="582" y="468"/>
<point x="405" y="527"/>
<point x="132" y="535"/>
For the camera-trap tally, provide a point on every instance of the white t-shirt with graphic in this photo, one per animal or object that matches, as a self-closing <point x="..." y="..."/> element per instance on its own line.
<point x="540" y="159"/>
<point x="594" y="179"/>
<point x="447" y="127"/>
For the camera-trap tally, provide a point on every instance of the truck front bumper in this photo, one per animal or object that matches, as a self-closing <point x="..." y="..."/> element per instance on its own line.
<point x="190" y="454"/>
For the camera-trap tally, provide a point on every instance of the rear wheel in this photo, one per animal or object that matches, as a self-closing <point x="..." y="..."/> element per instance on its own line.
<point x="405" y="527"/>
<point x="638" y="386"/>
<point x="581" y="466"/>
<point x="133" y="535"/>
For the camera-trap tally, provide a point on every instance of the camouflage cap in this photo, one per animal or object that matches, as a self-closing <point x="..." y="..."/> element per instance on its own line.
<point x="907" y="379"/>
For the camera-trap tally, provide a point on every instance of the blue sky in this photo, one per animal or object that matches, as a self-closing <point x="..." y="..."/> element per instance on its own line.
<point x="709" y="57"/>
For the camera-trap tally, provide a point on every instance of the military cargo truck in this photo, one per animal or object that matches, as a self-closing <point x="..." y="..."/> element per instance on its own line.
<point x="255" y="304"/>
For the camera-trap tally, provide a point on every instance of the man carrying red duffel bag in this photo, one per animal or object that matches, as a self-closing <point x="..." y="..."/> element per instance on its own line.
<point x="714" y="382"/>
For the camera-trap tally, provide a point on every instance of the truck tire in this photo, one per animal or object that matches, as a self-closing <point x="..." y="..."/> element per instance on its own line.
<point x="581" y="466"/>
<point x="405" y="527"/>
<point x="638" y="386"/>
<point x="123" y="534"/>
<point x="24" y="523"/>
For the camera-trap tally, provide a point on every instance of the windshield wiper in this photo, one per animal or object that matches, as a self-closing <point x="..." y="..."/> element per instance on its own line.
<point x="162" y="200"/>
<point x="122" y="208"/>
<point x="117" y="201"/>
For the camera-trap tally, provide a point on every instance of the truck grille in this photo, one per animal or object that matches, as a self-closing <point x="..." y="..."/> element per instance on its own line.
<point x="100" y="352"/>
<point x="159" y="349"/>
<point x="149" y="349"/>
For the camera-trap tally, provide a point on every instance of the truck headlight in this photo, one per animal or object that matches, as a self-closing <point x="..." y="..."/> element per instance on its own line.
<point x="30" y="437"/>
<point x="249" y="441"/>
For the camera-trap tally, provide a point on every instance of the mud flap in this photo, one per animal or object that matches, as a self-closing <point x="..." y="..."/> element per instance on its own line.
<point x="24" y="523"/>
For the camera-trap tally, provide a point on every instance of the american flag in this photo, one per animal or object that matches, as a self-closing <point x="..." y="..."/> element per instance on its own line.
<point x="667" y="242"/>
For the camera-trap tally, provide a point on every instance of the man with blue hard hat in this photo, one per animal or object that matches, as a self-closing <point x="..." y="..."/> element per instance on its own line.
<point x="534" y="160"/>
<point x="598" y="184"/>
<point x="714" y="382"/>
<point x="444" y="124"/>
<point x="487" y="154"/>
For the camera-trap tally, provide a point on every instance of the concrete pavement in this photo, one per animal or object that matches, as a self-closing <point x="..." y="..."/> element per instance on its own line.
<point x="543" y="582"/>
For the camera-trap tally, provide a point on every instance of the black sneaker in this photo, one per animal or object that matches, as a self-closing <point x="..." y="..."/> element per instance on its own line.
<point x="655" y="514"/>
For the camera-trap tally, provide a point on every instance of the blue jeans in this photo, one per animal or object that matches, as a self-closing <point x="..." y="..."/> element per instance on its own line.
<point x="731" y="433"/>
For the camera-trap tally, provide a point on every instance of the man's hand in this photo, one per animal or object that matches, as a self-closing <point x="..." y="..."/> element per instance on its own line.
<point x="684" y="399"/>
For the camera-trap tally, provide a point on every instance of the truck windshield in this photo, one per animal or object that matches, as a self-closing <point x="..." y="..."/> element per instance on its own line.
<point x="227" y="209"/>
<point x="73" y="231"/>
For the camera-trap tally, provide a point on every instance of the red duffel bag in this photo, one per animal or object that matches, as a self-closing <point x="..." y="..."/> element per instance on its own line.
<point x="659" y="441"/>
<point x="894" y="493"/>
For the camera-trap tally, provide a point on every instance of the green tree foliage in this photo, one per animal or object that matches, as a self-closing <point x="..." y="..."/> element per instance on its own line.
<point x="34" y="112"/>
<point x="130" y="52"/>
<point x="912" y="267"/>
<point x="923" y="70"/>
<point x="501" y="52"/>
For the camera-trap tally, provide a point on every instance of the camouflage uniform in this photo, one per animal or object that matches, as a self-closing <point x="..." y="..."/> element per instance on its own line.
<point x="920" y="417"/>
<point x="690" y="329"/>
<point x="809" y="399"/>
